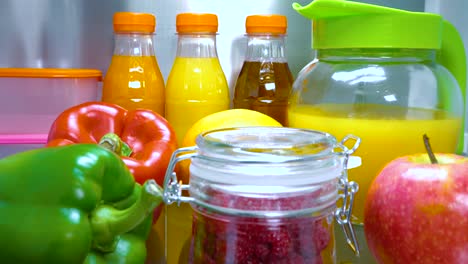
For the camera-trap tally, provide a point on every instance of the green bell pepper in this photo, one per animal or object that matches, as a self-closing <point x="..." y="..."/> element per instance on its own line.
<point x="73" y="204"/>
<point x="131" y="248"/>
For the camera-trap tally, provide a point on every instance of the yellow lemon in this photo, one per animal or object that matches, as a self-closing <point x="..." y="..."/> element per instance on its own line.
<point x="227" y="119"/>
<point x="224" y="119"/>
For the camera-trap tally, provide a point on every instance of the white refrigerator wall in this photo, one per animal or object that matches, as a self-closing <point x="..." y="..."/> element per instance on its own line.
<point x="454" y="11"/>
<point x="71" y="33"/>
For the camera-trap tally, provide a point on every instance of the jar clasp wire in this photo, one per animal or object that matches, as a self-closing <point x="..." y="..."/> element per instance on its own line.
<point x="172" y="187"/>
<point x="343" y="214"/>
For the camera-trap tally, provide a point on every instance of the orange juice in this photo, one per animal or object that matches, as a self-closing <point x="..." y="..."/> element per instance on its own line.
<point x="386" y="132"/>
<point x="196" y="87"/>
<point x="134" y="82"/>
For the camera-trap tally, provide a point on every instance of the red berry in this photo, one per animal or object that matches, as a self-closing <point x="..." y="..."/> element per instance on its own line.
<point x="262" y="251"/>
<point x="235" y="239"/>
<point x="297" y="259"/>
<point x="321" y="236"/>
<point x="243" y="252"/>
<point x="279" y="242"/>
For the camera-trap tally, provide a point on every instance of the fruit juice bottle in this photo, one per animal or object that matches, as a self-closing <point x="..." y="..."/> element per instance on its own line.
<point x="133" y="79"/>
<point x="196" y="87"/>
<point x="386" y="132"/>
<point x="265" y="80"/>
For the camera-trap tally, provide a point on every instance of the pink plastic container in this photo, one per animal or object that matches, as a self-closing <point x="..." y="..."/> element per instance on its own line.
<point x="31" y="98"/>
<point x="12" y="144"/>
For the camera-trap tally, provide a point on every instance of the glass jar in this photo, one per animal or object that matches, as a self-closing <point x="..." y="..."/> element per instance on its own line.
<point x="265" y="193"/>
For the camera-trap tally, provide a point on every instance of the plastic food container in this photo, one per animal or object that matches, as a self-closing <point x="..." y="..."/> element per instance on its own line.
<point x="31" y="98"/>
<point x="265" y="195"/>
<point x="12" y="144"/>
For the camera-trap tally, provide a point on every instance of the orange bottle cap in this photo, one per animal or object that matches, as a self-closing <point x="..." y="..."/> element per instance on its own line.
<point x="193" y="22"/>
<point x="134" y="22"/>
<point x="266" y="24"/>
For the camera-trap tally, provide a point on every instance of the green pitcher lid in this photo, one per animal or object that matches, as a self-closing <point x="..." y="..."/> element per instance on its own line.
<point x="347" y="24"/>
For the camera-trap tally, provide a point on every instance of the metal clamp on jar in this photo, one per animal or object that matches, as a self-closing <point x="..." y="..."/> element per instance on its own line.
<point x="266" y="194"/>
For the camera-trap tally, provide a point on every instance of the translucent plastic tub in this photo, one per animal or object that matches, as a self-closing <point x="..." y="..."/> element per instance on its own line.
<point x="12" y="144"/>
<point x="31" y="99"/>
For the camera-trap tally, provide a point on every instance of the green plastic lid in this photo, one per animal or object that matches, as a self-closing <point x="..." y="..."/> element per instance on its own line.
<point x="347" y="24"/>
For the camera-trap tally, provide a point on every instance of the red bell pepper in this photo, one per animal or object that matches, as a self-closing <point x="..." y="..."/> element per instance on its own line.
<point x="149" y="136"/>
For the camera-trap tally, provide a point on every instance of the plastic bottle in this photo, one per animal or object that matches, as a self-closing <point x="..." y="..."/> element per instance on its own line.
<point x="196" y="86"/>
<point x="133" y="79"/>
<point x="265" y="80"/>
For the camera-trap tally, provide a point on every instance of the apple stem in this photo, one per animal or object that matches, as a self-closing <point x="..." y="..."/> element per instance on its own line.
<point x="429" y="149"/>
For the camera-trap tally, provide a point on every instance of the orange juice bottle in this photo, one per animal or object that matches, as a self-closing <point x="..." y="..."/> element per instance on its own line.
<point x="133" y="79"/>
<point x="196" y="87"/>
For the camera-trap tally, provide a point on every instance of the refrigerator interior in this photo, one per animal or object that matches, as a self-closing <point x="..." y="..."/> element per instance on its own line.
<point x="78" y="34"/>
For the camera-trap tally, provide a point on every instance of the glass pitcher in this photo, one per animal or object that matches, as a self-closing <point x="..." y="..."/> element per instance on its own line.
<point x="386" y="75"/>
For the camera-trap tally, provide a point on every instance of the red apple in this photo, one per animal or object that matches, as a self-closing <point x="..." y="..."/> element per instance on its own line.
<point x="417" y="212"/>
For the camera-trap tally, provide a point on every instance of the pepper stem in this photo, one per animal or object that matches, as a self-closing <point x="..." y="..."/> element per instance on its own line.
<point x="107" y="222"/>
<point x="429" y="151"/>
<point x="113" y="143"/>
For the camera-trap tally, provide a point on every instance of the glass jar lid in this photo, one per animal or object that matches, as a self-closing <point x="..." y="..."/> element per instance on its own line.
<point x="265" y="158"/>
<point x="265" y="145"/>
